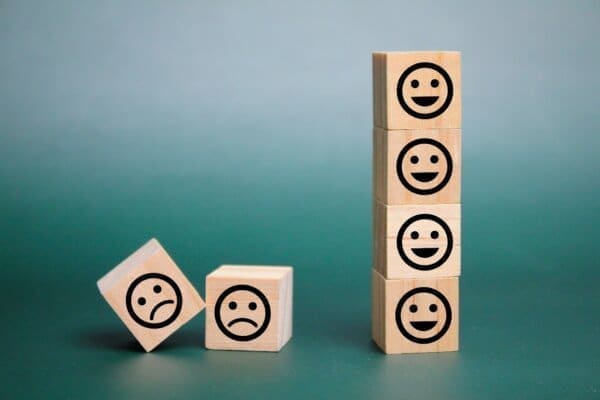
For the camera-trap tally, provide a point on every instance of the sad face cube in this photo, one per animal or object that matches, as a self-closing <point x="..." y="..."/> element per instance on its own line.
<point x="249" y="308"/>
<point x="150" y="295"/>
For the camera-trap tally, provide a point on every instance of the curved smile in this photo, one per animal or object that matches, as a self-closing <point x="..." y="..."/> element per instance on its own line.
<point x="425" y="101"/>
<point x="159" y="305"/>
<point x="248" y="320"/>
<point x="425" y="252"/>
<point x="424" y="176"/>
<point x="423" y="325"/>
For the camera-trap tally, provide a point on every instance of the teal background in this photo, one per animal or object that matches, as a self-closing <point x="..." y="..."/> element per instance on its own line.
<point x="241" y="133"/>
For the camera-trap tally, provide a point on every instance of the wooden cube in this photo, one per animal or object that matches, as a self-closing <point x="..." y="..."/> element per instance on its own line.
<point x="417" y="166"/>
<point x="249" y="308"/>
<point x="150" y="294"/>
<point x="415" y="315"/>
<point x="417" y="90"/>
<point x="416" y="241"/>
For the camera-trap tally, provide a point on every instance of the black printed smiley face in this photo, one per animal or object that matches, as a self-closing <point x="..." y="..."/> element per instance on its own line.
<point x="153" y="300"/>
<point x="242" y="313"/>
<point x="424" y="166"/>
<point x="424" y="242"/>
<point x="423" y="315"/>
<point x="424" y="90"/>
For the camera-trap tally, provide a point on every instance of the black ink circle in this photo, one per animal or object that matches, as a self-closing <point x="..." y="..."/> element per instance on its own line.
<point x="405" y="151"/>
<point x="131" y="311"/>
<point x="400" y="248"/>
<point x="442" y="331"/>
<point x="222" y="326"/>
<point x="400" y="94"/>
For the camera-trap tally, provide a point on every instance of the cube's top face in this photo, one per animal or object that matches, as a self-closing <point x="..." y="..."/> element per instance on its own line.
<point x="417" y="90"/>
<point x="250" y="272"/>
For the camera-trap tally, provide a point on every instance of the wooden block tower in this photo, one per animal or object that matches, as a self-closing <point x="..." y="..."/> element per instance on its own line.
<point x="416" y="207"/>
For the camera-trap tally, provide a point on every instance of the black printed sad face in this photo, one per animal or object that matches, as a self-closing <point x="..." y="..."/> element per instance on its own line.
<point x="424" y="242"/>
<point x="153" y="300"/>
<point x="423" y="315"/>
<point x="424" y="166"/>
<point x="424" y="90"/>
<point x="242" y="313"/>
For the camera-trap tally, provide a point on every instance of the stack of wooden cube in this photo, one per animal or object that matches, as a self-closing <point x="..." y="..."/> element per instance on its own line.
<point x="416" y="210"/>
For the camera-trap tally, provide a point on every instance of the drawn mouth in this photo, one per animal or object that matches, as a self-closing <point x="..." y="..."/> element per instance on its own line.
<point x="425" y="252"/>
<point x="248" y="320"/>
<point x="424" y="176"/>
<point x="425" y="101"/>
<point x="159" y="305"/>
<point x="423" y="325"/>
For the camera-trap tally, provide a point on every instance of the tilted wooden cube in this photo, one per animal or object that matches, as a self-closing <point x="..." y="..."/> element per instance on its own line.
<point x="416" y="241"/>
<point x="417" y="90"/>
<point x="150" y="294"/>
<point x="249" y="308"/>
<point x="417" y="166"/>
<point x="415" y="315"/>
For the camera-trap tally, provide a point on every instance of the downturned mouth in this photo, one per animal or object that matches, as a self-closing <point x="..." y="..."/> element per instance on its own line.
<point x="425" y="252"/>
<point x="248" y="320"/>
<point x="424" y="176"/>
<point x="159" y="305"/>
<point x="425" y="101"/>
<point x="423" y="325"/>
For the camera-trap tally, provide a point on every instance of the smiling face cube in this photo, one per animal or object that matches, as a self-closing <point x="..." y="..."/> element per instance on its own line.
<point x="415" y="315"/>
<point x="249" y="308"/>
<point x="417" y="90"/>
<point x="150" y="294"/>
<point x="417" y="166"/>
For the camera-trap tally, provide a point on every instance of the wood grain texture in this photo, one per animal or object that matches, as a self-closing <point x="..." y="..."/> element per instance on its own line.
<point x="249" y="307"/>
<point x="417" y="166"/>
<point x="429" y="244"/>
<point x="150" y="295"/>
<point x="413" y="109"/>
<point x="415" y="315"/>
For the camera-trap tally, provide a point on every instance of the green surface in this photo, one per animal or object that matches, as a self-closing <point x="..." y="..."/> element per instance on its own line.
<point x="238" y="134"/>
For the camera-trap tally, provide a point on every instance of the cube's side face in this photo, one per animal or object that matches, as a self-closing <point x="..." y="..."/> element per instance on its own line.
<point x="420" y="316"/>
<point x="417" y="166"/>
<point x="421" y="90"/>
<point x="154" y="299"/>
<point x="418" y="241"/>
<point x="247" y="314"/>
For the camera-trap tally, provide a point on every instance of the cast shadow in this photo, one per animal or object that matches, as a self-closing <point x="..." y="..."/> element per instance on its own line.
<point x="119" y="340"/>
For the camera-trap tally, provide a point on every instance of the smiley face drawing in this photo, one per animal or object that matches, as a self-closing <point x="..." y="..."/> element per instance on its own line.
<point x="423" y="315"/>
<point x="242" y="313"/>
<point x="153" y="300"/>
<point x="424" y="166"/>
<point x="425" y="90"/>
<point x="424" y="242"/>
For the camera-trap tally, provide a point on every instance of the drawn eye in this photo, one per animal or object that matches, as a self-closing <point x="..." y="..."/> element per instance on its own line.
<point x="252" y="306"/>
<point x="232" y="305"/>
<point x="414" y="83"/>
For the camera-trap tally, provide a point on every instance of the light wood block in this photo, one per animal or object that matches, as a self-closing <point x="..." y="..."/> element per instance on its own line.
<point x="417" y="166"/>
<point x="249" y="307"/>
<point x="150" y="294"/>
<point x="417" y="90"/>
<point x="415" y="315"/>
<point x="416" y="241"/>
